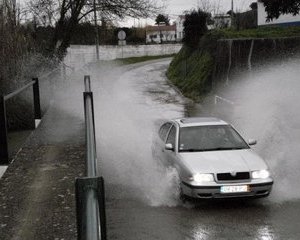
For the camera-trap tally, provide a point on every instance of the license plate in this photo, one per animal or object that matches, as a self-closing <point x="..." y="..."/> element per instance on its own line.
<point x="235" y="189"/>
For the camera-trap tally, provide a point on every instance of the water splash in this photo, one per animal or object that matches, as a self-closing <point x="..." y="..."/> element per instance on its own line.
<point x="266" y="107"/>
<point x="126" y="122"/>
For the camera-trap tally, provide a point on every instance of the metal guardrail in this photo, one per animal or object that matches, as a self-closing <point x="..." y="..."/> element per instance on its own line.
<point x="4" y="156"/>
<point x="218" y="98"/>
<point x="90" y="193"/>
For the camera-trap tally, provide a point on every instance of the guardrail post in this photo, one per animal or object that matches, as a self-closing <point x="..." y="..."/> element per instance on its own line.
<point x="92" y="154"/>
<point x="88" y="217"/>
<point x="4" y="158"/>
<point x="101" y="200"/>
<point x="36" y="99"/>
<point x="87" y="83"/>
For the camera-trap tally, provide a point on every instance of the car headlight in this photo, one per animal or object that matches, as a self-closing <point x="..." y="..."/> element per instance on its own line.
<point x="203" y="177"/>
<point x="262" y="174"/>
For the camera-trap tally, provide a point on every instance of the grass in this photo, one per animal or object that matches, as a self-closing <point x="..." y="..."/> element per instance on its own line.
<point x="191" y="69"/>
<point x="133" y="60"/>
<point x="126" y="61"/>
<point x="261" y="32"/>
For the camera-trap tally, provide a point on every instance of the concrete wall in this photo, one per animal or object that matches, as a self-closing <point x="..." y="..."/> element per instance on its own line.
<point x="287" y="19"/>
<point x="167" y="36"/>
<point x="179" y="28"/>
<point x="79" y="55"/>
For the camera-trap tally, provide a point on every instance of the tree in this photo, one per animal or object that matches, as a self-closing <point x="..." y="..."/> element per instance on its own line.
<point x="275" y="8"/>
<point x="43" y="11"/>
<point x="253" y="6"/>
<point x="162" y="19"/>
<point x="69" y="13"/>
<point x="195" y="26"/>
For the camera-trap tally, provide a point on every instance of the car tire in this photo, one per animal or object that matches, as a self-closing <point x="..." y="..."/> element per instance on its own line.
<point x="182" y="197"/>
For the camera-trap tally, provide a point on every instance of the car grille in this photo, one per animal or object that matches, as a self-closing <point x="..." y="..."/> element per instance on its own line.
<point x="233" y="177"/>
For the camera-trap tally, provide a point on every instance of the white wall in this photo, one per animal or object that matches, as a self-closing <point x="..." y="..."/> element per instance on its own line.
<point x="283" y="19"/>
<point x="168" y="36"/>
<point x="222" y="21"/>
<point x="179" y="29"/>
<point x="80" y="55"/>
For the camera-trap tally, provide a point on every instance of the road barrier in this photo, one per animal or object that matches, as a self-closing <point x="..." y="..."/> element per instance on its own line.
<point x="221" y="99"/>
<point x="90" y="192"/>
<point x="4" y="156"/>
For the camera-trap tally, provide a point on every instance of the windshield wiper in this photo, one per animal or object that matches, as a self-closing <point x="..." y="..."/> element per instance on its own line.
<point x="211" y="149"/>
<point x="238" y="148"/>
<point x="221" y="148"/>
<point x="192" y="150"/>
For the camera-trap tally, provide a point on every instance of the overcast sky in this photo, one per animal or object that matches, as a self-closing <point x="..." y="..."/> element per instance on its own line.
<point x="173" y="8"/>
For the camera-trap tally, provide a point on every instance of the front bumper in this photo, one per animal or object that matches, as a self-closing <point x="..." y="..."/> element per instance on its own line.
<point x="256" y="189"/>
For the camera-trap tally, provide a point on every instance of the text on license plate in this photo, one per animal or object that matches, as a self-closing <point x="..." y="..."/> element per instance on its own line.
<point x="235" y="189"/>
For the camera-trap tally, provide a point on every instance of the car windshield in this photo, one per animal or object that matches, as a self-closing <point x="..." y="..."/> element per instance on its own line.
<point x="210" y="138"/>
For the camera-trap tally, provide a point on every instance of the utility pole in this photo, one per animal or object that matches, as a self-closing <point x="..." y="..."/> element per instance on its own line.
<point x="96" y="31"/>
<point x="232" y="17"/>
<point x="14" y="3"/>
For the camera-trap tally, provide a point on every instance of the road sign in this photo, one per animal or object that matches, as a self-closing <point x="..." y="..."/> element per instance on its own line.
<point x="122" y="42"/>
<point x="121" y="35"/>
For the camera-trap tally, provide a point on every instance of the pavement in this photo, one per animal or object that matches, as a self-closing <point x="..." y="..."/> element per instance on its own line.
<point x="37" y="199"/>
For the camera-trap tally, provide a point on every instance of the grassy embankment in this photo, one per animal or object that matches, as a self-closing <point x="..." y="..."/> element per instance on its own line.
<point x="127" y="61"/>
<point x="133" y="60"/>
<point x="191" y="69"/>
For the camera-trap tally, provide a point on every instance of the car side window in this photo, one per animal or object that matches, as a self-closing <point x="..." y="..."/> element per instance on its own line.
<point x="172" y="136"/>
<point x="163" y="131"/>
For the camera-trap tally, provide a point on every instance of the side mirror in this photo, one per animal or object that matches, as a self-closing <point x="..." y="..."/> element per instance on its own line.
<point x="252" y="142"/>
<point x="169" y="146"/>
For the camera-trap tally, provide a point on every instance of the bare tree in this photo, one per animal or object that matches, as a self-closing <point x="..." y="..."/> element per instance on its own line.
<point x="209" y="6"/>
<point x="14" y="45"/>
<point x="68" y="13"/>
<point x="44" y="11"/>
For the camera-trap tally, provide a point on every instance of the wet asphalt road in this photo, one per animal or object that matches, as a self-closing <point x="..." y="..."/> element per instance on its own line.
<point x="142" y="200"/>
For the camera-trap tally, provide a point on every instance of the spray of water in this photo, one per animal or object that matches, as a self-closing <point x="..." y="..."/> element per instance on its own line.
<point x="125" y="120"/>
<point x="266" y="107"/>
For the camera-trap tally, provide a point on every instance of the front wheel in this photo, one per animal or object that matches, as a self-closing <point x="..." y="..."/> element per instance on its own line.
<point x="182" y="197"/>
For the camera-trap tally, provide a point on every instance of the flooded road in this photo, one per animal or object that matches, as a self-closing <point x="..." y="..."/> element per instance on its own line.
<point x="142" y="198"/>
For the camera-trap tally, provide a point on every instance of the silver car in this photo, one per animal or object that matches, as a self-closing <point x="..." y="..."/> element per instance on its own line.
<point x="212" y="159"/>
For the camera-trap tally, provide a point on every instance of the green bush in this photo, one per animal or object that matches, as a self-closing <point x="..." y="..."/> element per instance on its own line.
<point x="194" y="27"/>
<point x="191" y="70"/>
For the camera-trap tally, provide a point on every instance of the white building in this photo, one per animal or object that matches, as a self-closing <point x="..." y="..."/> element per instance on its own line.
<point x="283" y="20"/>
<point x="160" y="34"/>
<point x="179" y="28"/>
<point x="220" y="21"/>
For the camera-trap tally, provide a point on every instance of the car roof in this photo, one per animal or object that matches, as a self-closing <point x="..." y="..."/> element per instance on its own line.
<point x="199" y="121"/>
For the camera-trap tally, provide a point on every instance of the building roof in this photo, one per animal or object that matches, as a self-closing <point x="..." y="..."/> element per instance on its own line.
<point x="222" y="16"/>
<point x="161" y="28"/>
